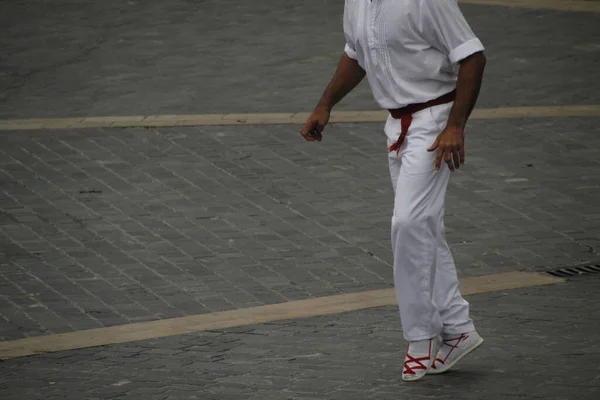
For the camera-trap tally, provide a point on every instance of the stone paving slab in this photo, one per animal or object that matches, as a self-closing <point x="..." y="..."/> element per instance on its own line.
<point x="541" y="343"/>
<point x="108" y="227"/>
<point x="89" y="58"/>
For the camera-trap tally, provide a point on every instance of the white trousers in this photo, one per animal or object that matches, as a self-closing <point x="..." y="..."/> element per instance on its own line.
<point x="425" y="278"/>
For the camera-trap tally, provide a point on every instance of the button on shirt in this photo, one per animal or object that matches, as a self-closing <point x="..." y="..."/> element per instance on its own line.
<point x="410" y="49"/>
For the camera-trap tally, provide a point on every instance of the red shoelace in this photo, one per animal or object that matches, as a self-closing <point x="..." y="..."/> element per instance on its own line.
<point x="408" y="370"/>
<point x="454" y="346"/>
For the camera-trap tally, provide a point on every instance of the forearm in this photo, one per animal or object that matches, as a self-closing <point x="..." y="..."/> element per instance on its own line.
<point x="468" y="85"/>
<point x="347" y="76"/>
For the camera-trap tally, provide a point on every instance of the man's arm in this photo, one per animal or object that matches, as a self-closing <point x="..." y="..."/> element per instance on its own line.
<point x="470" y="76"/>
<point x="450" y="144"/>
<point x="347" y="76"/>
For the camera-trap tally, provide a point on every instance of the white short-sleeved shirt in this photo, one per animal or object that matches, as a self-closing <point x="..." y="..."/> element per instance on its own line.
<point x="410" y="49"/>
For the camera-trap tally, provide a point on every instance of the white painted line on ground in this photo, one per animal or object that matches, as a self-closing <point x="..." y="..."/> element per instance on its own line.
<point x="249" y="316"/>
<point x="270" y="119"/>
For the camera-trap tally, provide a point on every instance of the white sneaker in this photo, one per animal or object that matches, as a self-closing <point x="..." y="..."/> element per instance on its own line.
<point x="419" y="358"/>
<point x="453" y="349"/>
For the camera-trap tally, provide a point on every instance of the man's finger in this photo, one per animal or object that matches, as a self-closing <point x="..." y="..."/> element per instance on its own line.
<point x="435" y="145"/>
<point x="448" y="159"/>
<point x="316" y="135"/>
<point x="318" y="132"/>
<point x="456" y="158"/>
<point x="306" y="135"/>
<point x="308" y="129"/>
<point x="462" y="156"/>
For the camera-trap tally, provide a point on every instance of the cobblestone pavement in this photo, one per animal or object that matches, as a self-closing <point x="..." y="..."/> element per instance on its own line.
<point x="66" y="58"/>
<point x="540" y="344"/>
<point x="110" y="227"/>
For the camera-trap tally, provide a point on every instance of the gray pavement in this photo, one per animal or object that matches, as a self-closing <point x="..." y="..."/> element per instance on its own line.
<point x="545" y="350"/>
<point x="106" y="227"/>
<point x="68" y="58"/>
<point x="114" y="226"/>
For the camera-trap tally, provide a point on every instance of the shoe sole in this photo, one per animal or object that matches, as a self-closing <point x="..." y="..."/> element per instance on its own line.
<point x="413" y="379"/>
<point x="448" y="367"/>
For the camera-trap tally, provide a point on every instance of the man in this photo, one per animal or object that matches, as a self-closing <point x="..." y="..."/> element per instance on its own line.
<point x="425" y="65"/>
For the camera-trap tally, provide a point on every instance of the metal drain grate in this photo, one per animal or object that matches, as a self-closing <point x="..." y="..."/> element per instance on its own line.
<point x="575" y="271"/>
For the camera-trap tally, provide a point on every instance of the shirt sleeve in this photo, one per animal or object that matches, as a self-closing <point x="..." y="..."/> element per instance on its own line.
<point x="350" y="52"/>
<point x="348" y="35"/>
<point x="444" y="27"/>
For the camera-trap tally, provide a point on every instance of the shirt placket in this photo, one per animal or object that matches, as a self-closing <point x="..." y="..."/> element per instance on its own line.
<point x="372" y="39"/>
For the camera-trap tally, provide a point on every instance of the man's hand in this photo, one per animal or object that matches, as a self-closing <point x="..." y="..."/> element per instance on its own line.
<point x="347" y="75"/>
<point x="313" y="128"/>
<point x="450" y="146"/>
